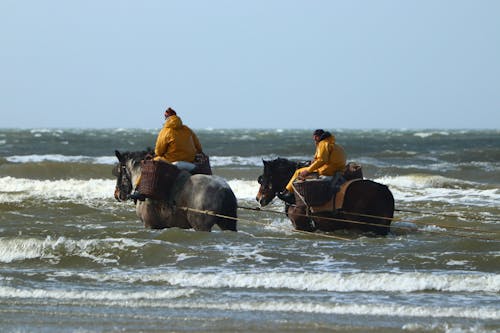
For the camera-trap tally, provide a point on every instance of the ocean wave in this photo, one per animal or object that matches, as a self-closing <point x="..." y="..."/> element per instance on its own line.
<point x="312" y="281"/>
<point x="62" y="159"/>
<point x="19" y="249"/>
<point x="84" y="191"/>
<point x="408" y="188"/>
<point x="215" y="161"/>
<point x="20" y="189"/>
<point x="427" y="134"/>
<point x="107" y="251"/>
<point x="424" y="187"/>
<point x="92" y="295"/>
<point x="176" y="299"/>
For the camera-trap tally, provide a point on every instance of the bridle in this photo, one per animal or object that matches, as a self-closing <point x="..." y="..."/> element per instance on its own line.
<point x="123" y="182"/>
<point x="276" y="175"/>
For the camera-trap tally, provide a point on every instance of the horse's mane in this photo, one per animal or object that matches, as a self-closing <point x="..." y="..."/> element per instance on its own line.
<point x="284" y="163"/>
<point x="137" y="156"/>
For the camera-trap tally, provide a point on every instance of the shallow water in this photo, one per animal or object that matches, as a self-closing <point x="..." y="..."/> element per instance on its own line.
<point x="74" y="259"/>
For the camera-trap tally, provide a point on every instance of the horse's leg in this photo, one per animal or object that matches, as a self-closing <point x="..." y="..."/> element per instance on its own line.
<point x="297" y="214"/>
<point x="330" y="221"/>
<point x="228" y="207"/>
<point x="150" y="214"/>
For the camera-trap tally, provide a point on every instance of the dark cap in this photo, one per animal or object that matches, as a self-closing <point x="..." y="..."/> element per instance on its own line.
<point x="318" y="132"/>
<point x="170" y="111"/>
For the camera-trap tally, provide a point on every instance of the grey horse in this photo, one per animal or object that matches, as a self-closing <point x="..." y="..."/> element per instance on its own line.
<point x="197" y="201"/>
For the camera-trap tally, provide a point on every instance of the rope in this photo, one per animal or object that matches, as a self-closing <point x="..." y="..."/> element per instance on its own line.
<point x="212" y="213"/>
<point x="308" y="209"/>
<point x="367" y="223"/>
<point x="328" y="218"/>
<point x="419" y="223"/>
<point x="436" y="214"/>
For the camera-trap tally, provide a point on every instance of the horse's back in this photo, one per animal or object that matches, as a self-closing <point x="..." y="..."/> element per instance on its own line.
<point x="367" y="197"/>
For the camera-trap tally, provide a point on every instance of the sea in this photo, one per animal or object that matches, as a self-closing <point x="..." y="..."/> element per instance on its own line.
<point x="73" y="259"/>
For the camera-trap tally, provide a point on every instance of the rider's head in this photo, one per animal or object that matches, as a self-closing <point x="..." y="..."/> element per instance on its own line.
<point x="317" y="135"/>
<point x="170" y="112"/>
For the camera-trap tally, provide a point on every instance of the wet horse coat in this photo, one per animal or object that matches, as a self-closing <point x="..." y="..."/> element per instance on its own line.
<point x="194" y="197"/>
<point x="361" y="198"/>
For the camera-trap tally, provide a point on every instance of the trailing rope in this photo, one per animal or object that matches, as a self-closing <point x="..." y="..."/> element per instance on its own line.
<point x="212" y="213"/>
<point x="419" y="223"/>
<point x="374" y="224"/>
<point x="325" y="218"/>
<point x="438" y="214"/>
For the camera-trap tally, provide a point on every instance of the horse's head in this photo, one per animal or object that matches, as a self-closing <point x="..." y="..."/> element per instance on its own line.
<point x="276" y="175"/>
<point x="126" y="171"/>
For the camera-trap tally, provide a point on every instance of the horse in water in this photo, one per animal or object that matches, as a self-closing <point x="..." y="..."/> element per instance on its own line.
<point x="196" y="201"/>
<point x="367" y="206"/>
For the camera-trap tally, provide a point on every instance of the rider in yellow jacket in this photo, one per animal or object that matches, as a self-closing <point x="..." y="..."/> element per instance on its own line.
<point x="176" y="142"/>
<point x="328" y="159"/>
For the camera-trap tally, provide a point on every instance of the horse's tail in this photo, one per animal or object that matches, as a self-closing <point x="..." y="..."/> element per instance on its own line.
<point x="229" y="208"/>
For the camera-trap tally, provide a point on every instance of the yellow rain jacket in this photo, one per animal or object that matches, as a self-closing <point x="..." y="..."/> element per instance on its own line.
<point x="329" y="158"/>
<point x="176" y="142"/>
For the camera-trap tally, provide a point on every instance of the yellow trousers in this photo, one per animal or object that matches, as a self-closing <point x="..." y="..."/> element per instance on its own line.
<point x="295" y="175"/>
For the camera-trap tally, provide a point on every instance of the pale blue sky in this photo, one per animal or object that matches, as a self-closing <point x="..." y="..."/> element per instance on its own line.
<point x="250" y="64"/>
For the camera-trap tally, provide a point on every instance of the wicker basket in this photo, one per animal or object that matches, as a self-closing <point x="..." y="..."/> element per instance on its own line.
<point x="353" y="171"/>
<point x="157" y="178"/>
<point x="314" y="191"/>
<point x="202" y="163"/>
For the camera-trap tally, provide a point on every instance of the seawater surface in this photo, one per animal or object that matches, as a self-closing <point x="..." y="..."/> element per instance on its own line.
<point x="74" y="259"/>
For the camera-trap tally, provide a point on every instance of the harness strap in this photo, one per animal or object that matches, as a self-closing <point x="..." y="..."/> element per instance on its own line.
<point x="308" y="208"/>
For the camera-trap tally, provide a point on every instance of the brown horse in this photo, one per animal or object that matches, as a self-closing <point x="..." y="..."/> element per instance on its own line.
<point x="362" y="198"/>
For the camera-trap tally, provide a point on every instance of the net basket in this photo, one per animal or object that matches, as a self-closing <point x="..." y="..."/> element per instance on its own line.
<point x="353" y="171"/>
<point x="157" y="178"/>
<point x="314" y="191"/>
<point x="202" y="163"/>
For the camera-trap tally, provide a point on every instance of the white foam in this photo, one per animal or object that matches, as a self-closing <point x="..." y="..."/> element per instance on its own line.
<point x="19" y="189"/>
<point x="374" y="309"/>
<point x="61" y="158"/>
<point x="312" y="281"/>
<point x="112" y="295"/>
<point x="424" y="135"/>
<point x="86" y="191"/>
<point x="420" y="187"/>
<point x="244" y="189"/>
<point x="175" y="298"/>
<point x="29" y="248"/>
<point x="218" y="161"/>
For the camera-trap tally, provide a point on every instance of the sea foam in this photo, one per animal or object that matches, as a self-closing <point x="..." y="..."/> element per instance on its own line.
<point x="318" y="281"/>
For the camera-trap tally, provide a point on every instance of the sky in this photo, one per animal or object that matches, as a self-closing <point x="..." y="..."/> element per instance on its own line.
<point x="373" y="64"/>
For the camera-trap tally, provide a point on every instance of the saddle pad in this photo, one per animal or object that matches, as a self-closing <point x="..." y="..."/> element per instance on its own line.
<point x="339" y="197"/>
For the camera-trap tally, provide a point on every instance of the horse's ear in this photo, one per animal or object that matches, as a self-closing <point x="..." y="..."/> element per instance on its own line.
<point x="118" y="155"/>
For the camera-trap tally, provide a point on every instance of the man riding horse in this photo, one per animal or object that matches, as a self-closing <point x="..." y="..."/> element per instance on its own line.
<point x="176" y="143"/>
<point x="329" y="160"/>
